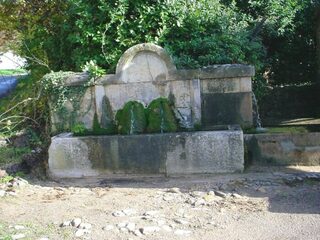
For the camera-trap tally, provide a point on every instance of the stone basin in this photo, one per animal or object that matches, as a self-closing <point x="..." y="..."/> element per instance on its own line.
<point x="169" y="154"/>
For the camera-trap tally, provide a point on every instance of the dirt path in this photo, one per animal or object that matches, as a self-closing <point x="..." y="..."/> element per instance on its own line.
<point x="256" y="205"/>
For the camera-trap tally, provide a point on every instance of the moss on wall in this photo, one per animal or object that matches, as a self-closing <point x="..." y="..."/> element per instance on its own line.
<point x="161" y="117"/>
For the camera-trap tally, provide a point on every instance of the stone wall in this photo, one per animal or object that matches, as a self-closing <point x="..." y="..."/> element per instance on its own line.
<point x="283" y="149"/>
<point x="216" y="95"/>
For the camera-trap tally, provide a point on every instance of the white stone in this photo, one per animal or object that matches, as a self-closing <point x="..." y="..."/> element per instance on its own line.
<point x="181" y="221"/>
<point x="76" y="222"/>
<point x="131" y="226"/>
<point x="137" y="233"/>
<point x="86" y="226"/>
<point x="108" y="227"/>
<point x="65" y="224"/>
<point x="19" y="227"/>
<point x="129" y="211"/>
<point x="80" y="232"/>
<point x="118" y="214"/>
<point x="18" y="236"/>
<point x="2" y="193"/>
<point x="182" y="232"/>
<point x="149" y="230"/>
<point x="166" y="228"/>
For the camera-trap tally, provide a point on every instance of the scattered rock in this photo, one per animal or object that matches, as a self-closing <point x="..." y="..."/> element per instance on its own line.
<point x="182" y="232"/>
<point x="149" y="230"/>
<point x="166" y="228"/>
<point x="199" y="202"/>
<point x="19" y="227"/>
<point x="108" y="227"/>
<point x="85" y="226"/>
<point x="65" y="224"/>
<point x="18" y="236"/>
<point x="118" y="214"/>
<point x="220" y="194"/>
<point x="137" y="233"/>
<point x="2" y="193"/>
<point x="129" y="212"/>
<point x="236" y="195"/>
<point x="76" y="222"/>
<point x="80" y="232"/>
<point x="152" y="213"/>
<point x="181" y="221"/>
<point x="131" y="227"/>
<point x="174" y="190"/>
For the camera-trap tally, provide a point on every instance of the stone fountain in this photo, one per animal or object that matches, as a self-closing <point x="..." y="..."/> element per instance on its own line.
<point x="216" y="100"/>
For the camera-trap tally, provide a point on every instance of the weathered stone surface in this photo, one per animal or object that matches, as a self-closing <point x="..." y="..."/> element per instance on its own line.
<point x="181" y="153"/>
<point x="206" y="152"/>
<point x="223" y="109"/>
<point x="283" y="149"/>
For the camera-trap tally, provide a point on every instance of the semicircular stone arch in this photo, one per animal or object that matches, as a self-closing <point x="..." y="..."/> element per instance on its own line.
<point x="144" y="62"/>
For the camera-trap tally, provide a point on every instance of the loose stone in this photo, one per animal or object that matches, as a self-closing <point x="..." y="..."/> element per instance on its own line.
<point x="129" y="212"/>
<point x="108" y="227"/>
<point x="131" y="226"/>
<point x="19" y="227"/>
<point x="181" y="221"/>
<point x="220" y="194"/>
<point x="181" y="232"/>
<point x="118" y="214"/>
<point x="18" y="236"/>
<point x="86" y="226"/>
<point x="149" y="229"/>
<point x="174" y="190"/>
<point x="166" y="228"/>
<point x="76" y="222"/>
<point x="2" y="193"/>
<point x="65" y="224"/>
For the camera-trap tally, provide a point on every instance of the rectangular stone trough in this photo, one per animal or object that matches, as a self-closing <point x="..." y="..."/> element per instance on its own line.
<point x="169" y="154"/>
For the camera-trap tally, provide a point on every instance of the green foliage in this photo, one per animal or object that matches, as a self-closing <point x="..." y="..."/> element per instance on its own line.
<point x="93" y="69"/>
<point x="131" y="119"/>
<point x="160" y="116"/>
<point x="11" y="155"/>
<point x="98" y="130"/>
<point x="6" y="179"/>
<point x="79" y="129"/>
<point x="9" y="72"/>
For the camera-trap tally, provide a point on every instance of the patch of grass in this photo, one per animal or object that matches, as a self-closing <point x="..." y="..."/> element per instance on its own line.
<point x="12" y="71"/>
<point x="11" y="155"/>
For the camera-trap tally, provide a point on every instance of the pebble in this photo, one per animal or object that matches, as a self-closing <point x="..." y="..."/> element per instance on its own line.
<point x="174" y="190"/>
<point x="76" y="222"/>
<point x="220" y="194"/>
<point x="181" y="232"/>
<point x="19" y="227"/>
<point x="118" y="214"/>
<point x="166" y="228"/>
<point x="2" y="193"/>
<point x="236" y="195"/>
<point x="85" y="226"/>
<point x="108" y="227"/>
<point x="151" y="213"/>
<point x="181" y="221"/>
<point x="18" y="236"/>
<point x="129" y="212"/>
<point x="149" y="230"/>
<point x="131" y="226"/>
<point x="65" y="224"/>
<point x="80" y="232"/>
<point x="137" y="233"/>
<point x="199" y="202"/>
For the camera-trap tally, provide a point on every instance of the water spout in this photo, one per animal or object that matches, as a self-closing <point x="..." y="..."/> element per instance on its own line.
<point x="256" y="115"/>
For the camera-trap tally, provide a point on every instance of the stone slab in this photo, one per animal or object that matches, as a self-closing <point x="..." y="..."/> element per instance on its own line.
<point x="170" y="154"/>
<point x="283" y="149"/>
<point x="226" y="109"/>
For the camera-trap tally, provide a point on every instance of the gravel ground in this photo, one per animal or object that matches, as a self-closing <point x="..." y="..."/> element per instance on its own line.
<point x="260" y="204"/>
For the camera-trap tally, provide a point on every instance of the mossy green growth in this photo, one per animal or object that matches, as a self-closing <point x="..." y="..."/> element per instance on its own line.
<point x="131" y="118"/>
<point x="79" y="129"/>
<point x="161" y="117"/>
<point x="98" y="130"/>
